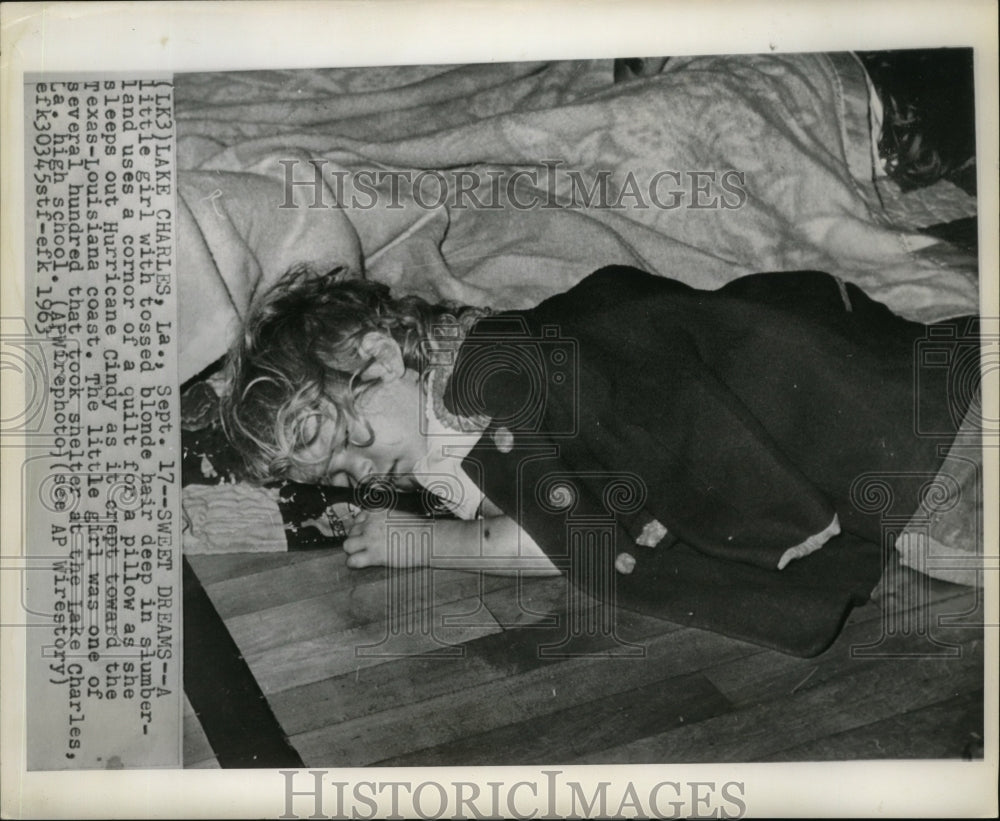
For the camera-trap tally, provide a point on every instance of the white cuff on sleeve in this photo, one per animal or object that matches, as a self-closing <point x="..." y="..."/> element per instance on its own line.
<point x="810" y="545"/>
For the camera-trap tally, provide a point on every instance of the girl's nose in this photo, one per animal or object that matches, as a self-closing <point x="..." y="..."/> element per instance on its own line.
<point x="347" y="470"/>
<point x="357" y="467"/>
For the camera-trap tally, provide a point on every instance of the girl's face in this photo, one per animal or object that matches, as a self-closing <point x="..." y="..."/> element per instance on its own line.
<point x="392" y="411"/>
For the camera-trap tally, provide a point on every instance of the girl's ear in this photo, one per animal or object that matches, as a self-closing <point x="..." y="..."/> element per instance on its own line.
<point x="384" y="355"/>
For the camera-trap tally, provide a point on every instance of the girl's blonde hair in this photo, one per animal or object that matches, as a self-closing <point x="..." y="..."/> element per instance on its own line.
<point x="298" y="361"/>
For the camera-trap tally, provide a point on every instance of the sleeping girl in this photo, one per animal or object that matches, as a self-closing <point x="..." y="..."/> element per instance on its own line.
<point x="726" y="458"/>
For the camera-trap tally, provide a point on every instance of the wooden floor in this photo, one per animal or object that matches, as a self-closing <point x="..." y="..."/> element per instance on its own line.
<point x="443" y="668"/>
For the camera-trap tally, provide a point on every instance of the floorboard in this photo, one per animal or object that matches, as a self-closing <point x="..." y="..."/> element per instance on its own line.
<point x="563" y="735"/>
<point x="368" y="600"/>
<point x="412" y="679"/>
<point x="765" y="674"/>
<point x="820" y="708"/>
<point x="213" y="568"/>
<point x="348" y="651"/>
<point x="527" y="696"/>
<point x="436" y="667"/>
<point x="911" y="734"/>
<point x="197" y="749"/>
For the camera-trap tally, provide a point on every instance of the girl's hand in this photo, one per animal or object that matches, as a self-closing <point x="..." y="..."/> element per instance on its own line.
<point x="497" y="544"/>
<point x="367" y="545"/>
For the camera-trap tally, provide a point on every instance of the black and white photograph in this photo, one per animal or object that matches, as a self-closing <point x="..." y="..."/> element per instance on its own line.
<point x="534" y="433"/>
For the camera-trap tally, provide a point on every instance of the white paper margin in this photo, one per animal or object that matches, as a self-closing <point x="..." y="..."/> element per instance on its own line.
<point x="242" y="35"/>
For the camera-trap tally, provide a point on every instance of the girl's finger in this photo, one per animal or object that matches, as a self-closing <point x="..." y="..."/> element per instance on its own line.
<point x="356" y="527"/>
<point x="352" y="544"/>
<point x="358" y="560"/>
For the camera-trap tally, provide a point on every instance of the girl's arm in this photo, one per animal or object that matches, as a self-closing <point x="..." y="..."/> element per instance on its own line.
<point x="495" y="544"/>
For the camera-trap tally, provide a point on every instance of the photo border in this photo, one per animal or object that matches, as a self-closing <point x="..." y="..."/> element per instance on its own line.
<point x="215" y="36"/>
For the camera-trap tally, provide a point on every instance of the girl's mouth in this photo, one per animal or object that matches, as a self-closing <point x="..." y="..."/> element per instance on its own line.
<point x="403" y="481"/>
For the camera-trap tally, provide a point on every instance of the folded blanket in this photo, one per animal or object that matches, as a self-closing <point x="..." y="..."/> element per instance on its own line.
<point x="232" y="518"/>
<point x="796" y="127"/>
<point x="233" y="241"/>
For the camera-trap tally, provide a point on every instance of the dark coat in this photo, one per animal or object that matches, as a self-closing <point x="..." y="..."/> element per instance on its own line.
<point x="741" y="419"/>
